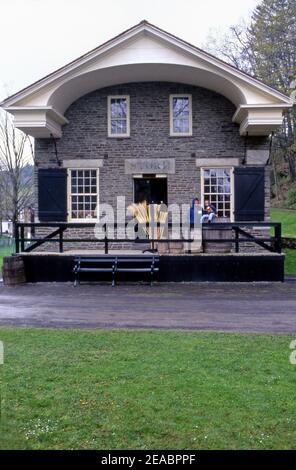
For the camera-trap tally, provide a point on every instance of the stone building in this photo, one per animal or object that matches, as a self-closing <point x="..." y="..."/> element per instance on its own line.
<point x="147" y="115"/>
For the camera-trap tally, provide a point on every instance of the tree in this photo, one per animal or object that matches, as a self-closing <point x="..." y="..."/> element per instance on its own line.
<point x="16" y="153"/>
<point x="232" y="46"/>
<point x="266" y="48"/>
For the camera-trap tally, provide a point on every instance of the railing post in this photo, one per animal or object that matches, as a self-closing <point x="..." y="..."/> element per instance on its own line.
<point x="17" y="238"/>
<point x="61" y="238"/>
<point x="106" y="239"/>
<point x="236" y="240"/>
<point x="278" y="238"/>
<point x="22" y="238"/>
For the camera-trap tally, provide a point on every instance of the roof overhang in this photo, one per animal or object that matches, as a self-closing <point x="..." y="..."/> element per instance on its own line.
<point x="259" y="119"/>
<point x="145" y="53"/>
<point x="38" y="121"/>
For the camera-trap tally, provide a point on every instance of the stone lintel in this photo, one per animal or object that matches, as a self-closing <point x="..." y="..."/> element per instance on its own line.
<point x="150" y="165"/>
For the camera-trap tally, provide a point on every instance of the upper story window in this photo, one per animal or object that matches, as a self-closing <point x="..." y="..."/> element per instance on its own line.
<point x="118" y="116"/>
<point x="180" y="115"/>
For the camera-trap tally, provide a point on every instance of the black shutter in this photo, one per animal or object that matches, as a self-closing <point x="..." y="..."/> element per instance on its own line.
<point x="52" y="195"/>
<point x="249" y="193"/>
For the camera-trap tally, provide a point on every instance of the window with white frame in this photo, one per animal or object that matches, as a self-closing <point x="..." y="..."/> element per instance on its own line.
<point x="216" y="185"/>
<point x="83" y="194"/>
<point x="180" y="115"/>
<point x="118" y="116"/>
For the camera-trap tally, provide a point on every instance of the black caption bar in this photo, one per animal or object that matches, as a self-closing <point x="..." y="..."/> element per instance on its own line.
<point x="135" y="459"/>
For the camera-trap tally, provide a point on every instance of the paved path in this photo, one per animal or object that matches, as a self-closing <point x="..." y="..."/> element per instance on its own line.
<point x="201" y="306"/>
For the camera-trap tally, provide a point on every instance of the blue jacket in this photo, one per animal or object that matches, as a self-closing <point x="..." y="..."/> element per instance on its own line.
<point x="193" y="213"/>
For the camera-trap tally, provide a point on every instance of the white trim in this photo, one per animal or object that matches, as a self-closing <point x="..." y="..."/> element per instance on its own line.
<point x="231" y="186"/>
<point x="147" y="28"/>
<point x="48" y="110"/>
<point x="69" y="194"/>
<point x="180" y="134"/>
<point x="242" y="110"/>
<point x="114" y="97"/>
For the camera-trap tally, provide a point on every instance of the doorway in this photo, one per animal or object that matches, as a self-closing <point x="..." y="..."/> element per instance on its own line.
<point x="152" y="189"/>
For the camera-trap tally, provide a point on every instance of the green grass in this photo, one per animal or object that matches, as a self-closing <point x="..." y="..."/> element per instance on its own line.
<point x="290" y="261"/>
<point x="100" y="389"/>
<point x="288" y="220"/>
<point x="5" y="251"/>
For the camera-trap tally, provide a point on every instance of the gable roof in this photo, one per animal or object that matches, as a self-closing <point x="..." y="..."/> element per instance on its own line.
<point x="227" y="75"/>
<point x="140" y="26"/>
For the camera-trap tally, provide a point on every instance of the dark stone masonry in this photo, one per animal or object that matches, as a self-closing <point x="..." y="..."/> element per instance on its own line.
<point x="214" y="136"/>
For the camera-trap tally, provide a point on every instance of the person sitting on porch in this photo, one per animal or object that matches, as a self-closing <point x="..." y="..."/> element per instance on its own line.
<point x="209" y="213"/>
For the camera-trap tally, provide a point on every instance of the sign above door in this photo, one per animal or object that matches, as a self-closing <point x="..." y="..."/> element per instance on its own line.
<point x="150" y="165"/>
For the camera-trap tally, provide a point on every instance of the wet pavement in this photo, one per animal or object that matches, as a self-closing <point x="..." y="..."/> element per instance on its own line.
<point x="240" y="307"/>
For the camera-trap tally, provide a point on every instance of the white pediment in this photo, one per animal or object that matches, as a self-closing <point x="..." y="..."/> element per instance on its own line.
<point x="146" y="53"/>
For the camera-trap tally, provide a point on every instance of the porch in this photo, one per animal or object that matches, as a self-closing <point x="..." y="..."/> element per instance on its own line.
<point x="250" y="252"/>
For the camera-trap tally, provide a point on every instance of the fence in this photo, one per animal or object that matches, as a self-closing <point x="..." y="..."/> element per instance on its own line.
<point x="241" y="233"/>
<point x="7" y="242"/>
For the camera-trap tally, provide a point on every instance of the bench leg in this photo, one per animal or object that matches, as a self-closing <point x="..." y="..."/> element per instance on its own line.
<point x="75" y="278"/>
<point x="151" y="278"/>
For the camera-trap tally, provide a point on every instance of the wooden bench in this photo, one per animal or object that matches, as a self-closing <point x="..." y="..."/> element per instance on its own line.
<point x="116" y="264"/>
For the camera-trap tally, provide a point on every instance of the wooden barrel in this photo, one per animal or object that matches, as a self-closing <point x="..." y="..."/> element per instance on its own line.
<point x="162" y="247"/>
<point x="176" y="248"/>
<point x="214" y="232"/>
<point x="13" y="271"/>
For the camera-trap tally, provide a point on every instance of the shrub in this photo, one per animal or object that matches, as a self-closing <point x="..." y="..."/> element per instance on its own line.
<point x="291" y="199"/>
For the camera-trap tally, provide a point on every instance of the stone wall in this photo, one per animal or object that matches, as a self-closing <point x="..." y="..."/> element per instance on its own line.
<point x="214" y="136"/>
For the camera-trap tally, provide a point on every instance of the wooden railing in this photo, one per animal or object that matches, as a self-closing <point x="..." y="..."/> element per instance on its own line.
<point x="272" y="243"/>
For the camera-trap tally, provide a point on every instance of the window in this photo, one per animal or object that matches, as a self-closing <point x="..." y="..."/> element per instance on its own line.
<point x="217" y="188"/>
<point x="83" y="194"/>
<point x="118" y="116"/>
<point x="180" y="115"/>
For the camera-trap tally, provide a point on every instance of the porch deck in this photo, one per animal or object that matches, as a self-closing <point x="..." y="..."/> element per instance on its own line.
<point x="230" y="267"/>
<point x="233" y="266"/>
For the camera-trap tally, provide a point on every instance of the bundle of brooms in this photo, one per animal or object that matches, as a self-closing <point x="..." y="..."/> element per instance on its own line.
<point x="147" y="216"/>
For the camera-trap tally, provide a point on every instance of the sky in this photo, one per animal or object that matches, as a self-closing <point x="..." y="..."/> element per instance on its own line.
<point x="39" y="36"/>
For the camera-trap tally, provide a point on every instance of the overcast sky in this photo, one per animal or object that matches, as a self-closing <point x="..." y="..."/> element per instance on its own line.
<point x="38" y="36"/>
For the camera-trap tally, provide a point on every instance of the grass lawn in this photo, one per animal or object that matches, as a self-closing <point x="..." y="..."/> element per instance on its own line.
<point x="104" y="389"/>
<point x="5" y="251"/>
<point x="290" y="261"/>
<point x="288" y="220"/>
